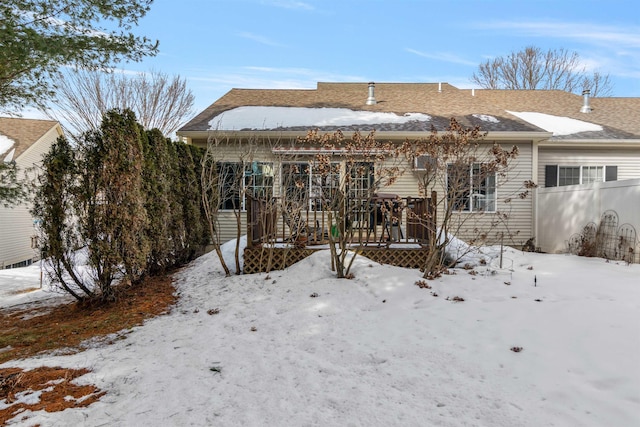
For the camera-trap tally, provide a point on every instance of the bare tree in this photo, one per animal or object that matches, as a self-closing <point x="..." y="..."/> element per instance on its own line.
<point x="212" y="179"/>
<point x="348" y="174"/>
<point x="461" y="174"/>
<point x="158" y="101"/>
<point x="227" y="185"/>
<point x="532" y="68"/>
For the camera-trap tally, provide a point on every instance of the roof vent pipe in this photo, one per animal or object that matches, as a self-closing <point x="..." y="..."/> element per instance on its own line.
<point x="440" y="87"/>
<point x="585" y="106"/>
<point x="371" y="100"/>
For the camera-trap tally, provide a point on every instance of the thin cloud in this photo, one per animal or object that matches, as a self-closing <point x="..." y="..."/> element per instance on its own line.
<point x="584" y="32"/>
<point x="270" y="78"/>
<point x="440" y="56"/>
<point x="290" y="4"/>
<point x="260" y="39"/>
<point x="316" y="75"/>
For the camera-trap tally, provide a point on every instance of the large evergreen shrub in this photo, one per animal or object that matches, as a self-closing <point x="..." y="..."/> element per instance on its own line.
<point x="129" y="198"/>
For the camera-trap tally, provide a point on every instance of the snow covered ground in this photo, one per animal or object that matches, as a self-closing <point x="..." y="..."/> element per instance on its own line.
<point x="301" y="348"/>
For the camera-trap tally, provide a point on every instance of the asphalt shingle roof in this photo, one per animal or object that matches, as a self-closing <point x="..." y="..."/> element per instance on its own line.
<point x="620" y="117"/>
<point x="24" y="132"/>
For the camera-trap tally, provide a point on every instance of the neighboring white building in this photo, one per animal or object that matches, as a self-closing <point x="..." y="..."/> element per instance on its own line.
<point x="23" y="141"/>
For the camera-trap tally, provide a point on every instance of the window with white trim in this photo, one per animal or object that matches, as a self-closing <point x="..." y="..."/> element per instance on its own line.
<point x="230" y="185"/>
<point x="360" y="186"/>
<point x="592" y="174"/>
<point x="308" y="186"/>
<point x="471" y="188"/>
<point x="258" y="180"/>
<point x="235" y="182"/>
<point x="556" y="175"/>
<point x="568" y="175"/>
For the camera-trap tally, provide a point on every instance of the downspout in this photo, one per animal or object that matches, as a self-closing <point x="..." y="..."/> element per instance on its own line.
<point x="535" y="175"/>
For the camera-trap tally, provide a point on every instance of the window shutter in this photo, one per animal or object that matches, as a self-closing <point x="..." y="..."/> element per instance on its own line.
<point x="611" y="173"/>
<point x="551" y="175"/>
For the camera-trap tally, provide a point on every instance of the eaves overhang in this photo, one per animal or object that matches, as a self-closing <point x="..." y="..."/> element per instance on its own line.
<point x="381" y="135"/>
<point x="590" y="143"/>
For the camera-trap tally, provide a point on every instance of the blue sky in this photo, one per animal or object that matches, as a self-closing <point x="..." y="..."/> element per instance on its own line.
<point x="218" y="45"/>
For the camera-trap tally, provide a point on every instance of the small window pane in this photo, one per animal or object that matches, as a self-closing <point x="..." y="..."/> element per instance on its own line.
<point x="569" y="175"/>
<point x="295" y="180"/>
<point x="230" y="185"/>
<point x="259" y="180"/>
<point x="471" y="188"/>
<point x="484" y="189"/>
<point x="458" y="186"/>
<point x="592" y="174"/>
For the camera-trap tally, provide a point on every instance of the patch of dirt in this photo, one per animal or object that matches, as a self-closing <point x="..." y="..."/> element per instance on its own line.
<point x="44" y="388"/>
<point x="24" y="291"/>
<point x="28" y="331"/>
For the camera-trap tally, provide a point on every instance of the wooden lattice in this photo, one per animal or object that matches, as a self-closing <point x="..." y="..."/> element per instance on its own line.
<point x="257" y="259"/>
<point x="409" y="258"/>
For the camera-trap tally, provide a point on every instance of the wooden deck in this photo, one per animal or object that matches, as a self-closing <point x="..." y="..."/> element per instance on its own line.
<point x="391" y="230"/>
<point x="262" y="259"/>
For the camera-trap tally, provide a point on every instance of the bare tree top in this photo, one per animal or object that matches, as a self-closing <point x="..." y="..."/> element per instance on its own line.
<point x="532" y="68"/>
<point x="158" y="101"/>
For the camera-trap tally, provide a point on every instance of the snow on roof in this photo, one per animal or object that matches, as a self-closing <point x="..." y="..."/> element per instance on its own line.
<point x="486" y="118"/>
<point x="5" y="145"/>
<point x="9" y="157"/>
<point x="556" y="124"/>
<point x="255" y="117"/>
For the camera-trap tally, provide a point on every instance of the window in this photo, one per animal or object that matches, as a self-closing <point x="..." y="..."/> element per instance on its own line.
<point x="471" y="188"/>
<point x="258" y="180"/>
<point x="309" y="187"/>
<point x="325" y="182"/>
<point x="360" y="186"/>
<point x="255" y="179"/>
<point x="361" y="180"/>
<point x="229" y="184"/>
<point x="592" y="174"/>
<point x="571" y="175"/>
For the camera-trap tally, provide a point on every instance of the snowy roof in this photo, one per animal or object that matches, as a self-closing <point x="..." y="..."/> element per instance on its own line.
<point x="417" y="107"/>
<point x="557" y="125"/>
<point x="6" y="145"/>
<point x="257" y="117"/>
<point x="18" y="134"/>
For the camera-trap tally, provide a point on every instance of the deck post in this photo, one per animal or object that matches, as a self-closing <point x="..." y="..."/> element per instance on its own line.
<point x="250" y="222"/>
<point x="433" y="215"/>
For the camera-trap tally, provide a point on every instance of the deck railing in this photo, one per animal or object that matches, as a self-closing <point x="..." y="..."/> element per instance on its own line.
<point x="381" y="220"/>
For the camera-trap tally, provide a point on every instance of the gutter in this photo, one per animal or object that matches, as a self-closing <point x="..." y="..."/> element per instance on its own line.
<point x="271" y="134"/>
<point x="591" y="143"/>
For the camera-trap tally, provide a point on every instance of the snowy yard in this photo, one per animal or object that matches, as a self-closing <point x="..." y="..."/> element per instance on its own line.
<point x="299" y="347"/>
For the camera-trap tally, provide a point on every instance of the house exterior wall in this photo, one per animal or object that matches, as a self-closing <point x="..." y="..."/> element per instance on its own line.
<point x="626" y="159"/>
<point x="517" y="229"/>
<point x="567" y="210"/>
<point x="518" y="226"/>
<point x="16" y="224"/>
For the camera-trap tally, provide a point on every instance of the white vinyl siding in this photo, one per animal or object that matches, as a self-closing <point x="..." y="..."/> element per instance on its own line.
<point x="16" y="224"/>
<point x="519" y="226"/>
<point x="627" y="160"/>
<point x="517" y="229"/>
